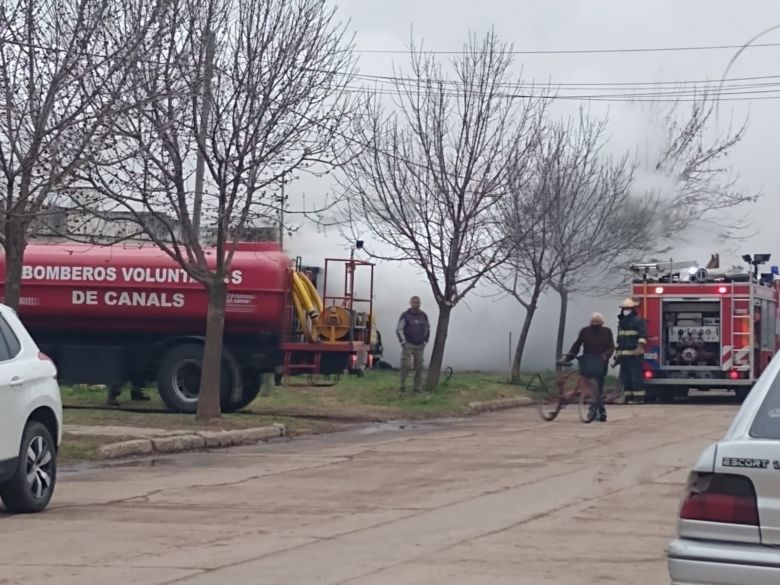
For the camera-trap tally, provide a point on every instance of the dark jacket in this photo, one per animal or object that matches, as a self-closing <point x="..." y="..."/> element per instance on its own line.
<point x="594" y="341"/>
<point x="632" y="332"/>
<point x="413" y="327"/>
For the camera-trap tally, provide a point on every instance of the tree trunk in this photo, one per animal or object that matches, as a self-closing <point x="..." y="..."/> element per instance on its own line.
<point x="205" y="114"/>
<point x="522" y="340"/>
<point x="209" y="398"/>
<point x="15" y="242"/>
<point x="437" y="354"/>
<point x="563" y="291"/>
<point x="530" y="311"/>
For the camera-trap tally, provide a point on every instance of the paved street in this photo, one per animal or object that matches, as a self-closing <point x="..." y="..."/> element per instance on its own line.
<point x="500" y="499"/>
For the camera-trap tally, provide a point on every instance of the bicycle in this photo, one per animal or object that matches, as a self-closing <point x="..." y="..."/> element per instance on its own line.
<point x="569" y="385"/>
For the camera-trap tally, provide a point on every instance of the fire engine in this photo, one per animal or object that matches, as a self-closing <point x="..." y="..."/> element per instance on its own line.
<point x="116" y="314"/>
<point x="707" y="328"/>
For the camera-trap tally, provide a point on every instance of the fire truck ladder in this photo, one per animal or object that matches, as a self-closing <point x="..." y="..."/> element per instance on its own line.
<point x="741" y="331"/>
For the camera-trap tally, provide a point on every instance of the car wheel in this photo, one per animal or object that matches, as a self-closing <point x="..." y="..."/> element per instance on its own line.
<point x="32" y="487"/>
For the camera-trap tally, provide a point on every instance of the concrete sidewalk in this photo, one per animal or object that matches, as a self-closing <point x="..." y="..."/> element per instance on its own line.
<point x="122" y="432"/>
<point x="135" y="441"/>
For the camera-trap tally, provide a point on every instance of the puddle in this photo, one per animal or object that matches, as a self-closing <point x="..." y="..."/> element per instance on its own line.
<point x="75" y="468"/>
<point x="403" y="425"/>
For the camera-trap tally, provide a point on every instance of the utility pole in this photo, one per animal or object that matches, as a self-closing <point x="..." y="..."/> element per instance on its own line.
<point x="281" y="217"/>
<point x="203" y="128"/>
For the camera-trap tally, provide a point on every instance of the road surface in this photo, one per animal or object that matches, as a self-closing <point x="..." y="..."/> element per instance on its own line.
<point x="499" y="499"/>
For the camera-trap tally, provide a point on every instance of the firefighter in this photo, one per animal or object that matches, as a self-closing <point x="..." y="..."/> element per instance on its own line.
<point x="631" y="341"/>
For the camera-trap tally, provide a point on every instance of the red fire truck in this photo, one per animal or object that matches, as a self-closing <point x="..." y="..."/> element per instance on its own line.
<point x="111" y="315"/>
<point x="707" y="328"/>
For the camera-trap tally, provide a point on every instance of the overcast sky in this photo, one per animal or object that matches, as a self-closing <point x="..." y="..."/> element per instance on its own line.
<point x="480" y="326"/>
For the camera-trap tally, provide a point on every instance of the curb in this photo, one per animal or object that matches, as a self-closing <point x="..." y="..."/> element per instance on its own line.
<point x="191" y="442"/>
<point x="503" y="404"/>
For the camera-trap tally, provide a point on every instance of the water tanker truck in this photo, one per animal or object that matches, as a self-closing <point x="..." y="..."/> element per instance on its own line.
<point x="117" y="314"/>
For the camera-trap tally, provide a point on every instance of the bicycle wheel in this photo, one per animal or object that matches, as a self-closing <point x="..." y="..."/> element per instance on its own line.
<point x="547" y="399"/>
<point x="587" y="389"/>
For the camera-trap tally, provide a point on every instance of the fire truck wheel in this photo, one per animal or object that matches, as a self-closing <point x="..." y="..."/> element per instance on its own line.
<point x="666" y="395"/>
<point x="178" y="377"/>
<point x="741" y="394"/>
<point x="178" y="380"/>
<point x="251" y="388"/>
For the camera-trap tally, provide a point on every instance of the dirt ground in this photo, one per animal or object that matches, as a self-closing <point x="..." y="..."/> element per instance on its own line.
<point x="499" y="499"/>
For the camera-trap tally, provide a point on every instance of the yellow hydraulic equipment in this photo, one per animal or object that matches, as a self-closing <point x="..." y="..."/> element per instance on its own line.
<point x="306" y="308"/>
<point x="334" y="323"/>
<point x="319" y="323"/>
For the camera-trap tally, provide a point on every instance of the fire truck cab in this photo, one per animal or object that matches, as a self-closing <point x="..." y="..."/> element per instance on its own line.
<point x="707" y="328"/>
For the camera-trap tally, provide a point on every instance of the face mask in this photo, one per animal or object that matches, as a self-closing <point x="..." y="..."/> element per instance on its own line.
<point x="626" y="312"/>
<point x="595" y="326"/>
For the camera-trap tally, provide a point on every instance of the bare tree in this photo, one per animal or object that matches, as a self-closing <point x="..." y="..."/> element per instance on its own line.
<point x="585" y="221"/>
<point x="693" y="160"/>
<point x="424" y="178"/>
<point x="244" y="93"/>
<point x="523" y="219"/>
<point x="595" y="256"/>
<point x="698" y="187"/>
<point x="64" y="69"/>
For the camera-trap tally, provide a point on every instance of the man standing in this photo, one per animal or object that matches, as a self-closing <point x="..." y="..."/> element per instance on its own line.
<point x="632" y="338"/>
<point x="413" y="332"/>
<point x="597" y="346"/>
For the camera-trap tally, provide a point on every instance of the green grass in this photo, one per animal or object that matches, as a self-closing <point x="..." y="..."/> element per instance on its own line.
<point x="376" y="396"/>
<point x="373" y="397"/>
<point x="303" y="410"/>
<point x="91" y="411"/>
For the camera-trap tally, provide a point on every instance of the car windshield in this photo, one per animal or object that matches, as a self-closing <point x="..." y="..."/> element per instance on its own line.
<point x="767" y="422"/>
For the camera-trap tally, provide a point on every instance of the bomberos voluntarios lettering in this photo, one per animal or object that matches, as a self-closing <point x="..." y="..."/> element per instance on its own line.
<point x="139" y="274"/>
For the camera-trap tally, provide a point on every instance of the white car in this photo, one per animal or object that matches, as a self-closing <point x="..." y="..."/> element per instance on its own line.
<point x="30" y="419"/>
<point x="729" y="525"/>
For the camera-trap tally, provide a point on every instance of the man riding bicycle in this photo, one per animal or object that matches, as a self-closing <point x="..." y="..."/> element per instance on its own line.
<point x="598" y="345"/>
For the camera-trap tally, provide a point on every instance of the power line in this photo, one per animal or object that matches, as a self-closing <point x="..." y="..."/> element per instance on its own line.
<point x="575" y="51"/>
<point x="708" y="89"/>
<point x="579" y="85"/>
<point x="730" y="93"/>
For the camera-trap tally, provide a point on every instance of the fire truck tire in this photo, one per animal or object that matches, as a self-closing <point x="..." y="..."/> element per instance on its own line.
<point x="251" y="388"/>
<point x="178" y="379"/>
<point x="667" y="395"/>
<point x="741" y="394"/>
<point x="651" y="395"/>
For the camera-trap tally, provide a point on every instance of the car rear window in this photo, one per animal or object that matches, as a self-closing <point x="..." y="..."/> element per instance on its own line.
<point x="10" y="346"/>
<point x="767" y="422"/>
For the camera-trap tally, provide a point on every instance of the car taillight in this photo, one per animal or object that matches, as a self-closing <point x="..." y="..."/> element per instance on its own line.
<point x="44" y="358"/>
<point x="717" y="497"/>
